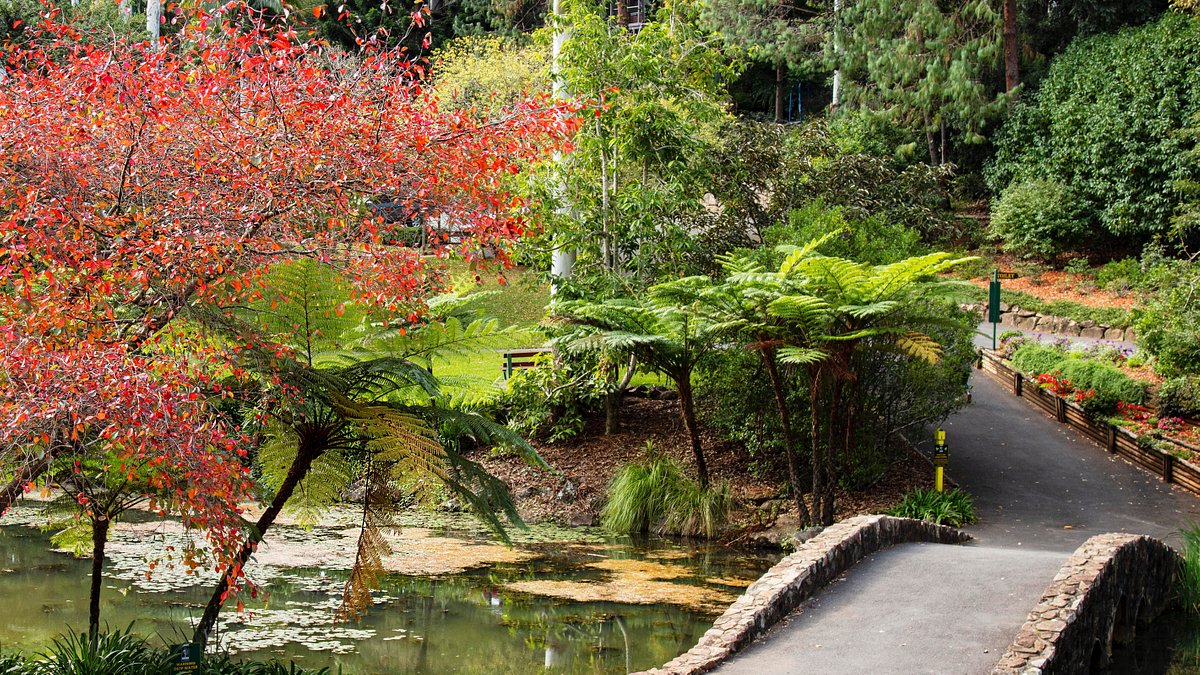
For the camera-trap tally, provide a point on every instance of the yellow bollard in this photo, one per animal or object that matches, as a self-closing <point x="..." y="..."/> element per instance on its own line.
<point x="941" y="457"/>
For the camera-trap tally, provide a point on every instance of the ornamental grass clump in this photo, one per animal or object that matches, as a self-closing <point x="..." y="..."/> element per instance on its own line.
<point x="657" y="496"/>
<point x="1189" y="571"/>
<point x="954" y="507"/>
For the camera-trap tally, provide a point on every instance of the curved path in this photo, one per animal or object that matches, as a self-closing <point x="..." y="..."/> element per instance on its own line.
<point x="1040" y="491"/>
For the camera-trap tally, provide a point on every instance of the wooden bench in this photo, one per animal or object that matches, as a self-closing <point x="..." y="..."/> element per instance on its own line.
<point x="521" y="358"/>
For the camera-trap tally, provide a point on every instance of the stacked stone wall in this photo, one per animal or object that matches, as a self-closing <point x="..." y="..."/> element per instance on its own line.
<point x="1110" y="586"/>
<point x="797" y="577"/>
<point x="1029" y="320"/>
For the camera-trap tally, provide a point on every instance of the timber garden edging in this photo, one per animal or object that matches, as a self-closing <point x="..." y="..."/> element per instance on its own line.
<point x="1113" y="438"/>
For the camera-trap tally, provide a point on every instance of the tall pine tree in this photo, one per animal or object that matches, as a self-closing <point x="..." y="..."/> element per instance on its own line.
<point x="924" y="64"/>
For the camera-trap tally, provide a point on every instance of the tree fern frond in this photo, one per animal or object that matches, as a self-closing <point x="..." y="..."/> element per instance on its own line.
<point x="329" y="475"/>
<point x="372" y="547"/>
<point x="802" y="356"/>
<point x="276" y="454"/>
<point x="921" y="346"/>
<point x="795" y="254"/>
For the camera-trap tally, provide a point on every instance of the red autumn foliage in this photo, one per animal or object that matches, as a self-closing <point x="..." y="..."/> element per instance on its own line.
<point x="142" y="184"/>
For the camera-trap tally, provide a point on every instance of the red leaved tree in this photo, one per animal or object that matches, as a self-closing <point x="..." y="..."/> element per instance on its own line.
<point x="145" y="188"/>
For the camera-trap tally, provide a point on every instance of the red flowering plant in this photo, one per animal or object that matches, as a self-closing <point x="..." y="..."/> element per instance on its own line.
<point x="146" y="191"/>
<point x="1055" y="383"/>
<point x="1133" y="411"/>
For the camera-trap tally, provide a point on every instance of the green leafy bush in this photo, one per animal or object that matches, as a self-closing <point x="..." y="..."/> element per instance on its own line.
<point x="953" y="507"/>
<point x="1034" y="358"/>
<point x="656" y="495"/>
<point x="1120" y="275"/>
<point x="1168" y="325"/>
<point x="1110" y="385"/>
<point x="1180" y="396"/>
<point x="1037" y="218"/>
<point x="115" y="653"/>
<point x="552" y="400"/>
<point x="124" y="653"/>
<point x="1104" y="384"/>
<point x="1103" y="124"/>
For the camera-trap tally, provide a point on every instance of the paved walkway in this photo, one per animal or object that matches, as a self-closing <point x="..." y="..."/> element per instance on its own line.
<point x="1040" y="491"/>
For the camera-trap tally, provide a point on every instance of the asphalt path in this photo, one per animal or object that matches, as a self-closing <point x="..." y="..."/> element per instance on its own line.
<point x="1040" y="490"/>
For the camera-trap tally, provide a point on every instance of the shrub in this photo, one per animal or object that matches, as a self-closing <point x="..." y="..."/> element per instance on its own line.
<point x="1037" y="219"/>
<point x="1110" y="383"/>
<point x="1120" y="275"/>
<point x="656" y="495"/>
<point x="1180" y="396"/>
<point x="1103" y="124"/>
<point x="1102" y="385"/>
<point x="1169" y="325"/>
<point x="116" y="653"/>
<point x="1037" y="359"/>
<point x="552" y="400"/>
<point x="953" y="507"/>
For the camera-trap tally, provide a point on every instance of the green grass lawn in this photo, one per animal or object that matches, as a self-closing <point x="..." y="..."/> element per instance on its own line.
<point x="519" y="303"/>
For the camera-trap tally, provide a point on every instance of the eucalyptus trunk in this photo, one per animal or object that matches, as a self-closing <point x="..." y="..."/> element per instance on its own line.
<point x="1012" y="47"/>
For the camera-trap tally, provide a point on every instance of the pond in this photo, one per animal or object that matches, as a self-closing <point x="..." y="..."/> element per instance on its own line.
<point x="559" y="601"/>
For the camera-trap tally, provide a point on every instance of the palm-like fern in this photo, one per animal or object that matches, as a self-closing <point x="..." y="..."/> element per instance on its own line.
<point x="370" y="408"/>
<point x="841" y="308"/>
<point x="663" y="331"/>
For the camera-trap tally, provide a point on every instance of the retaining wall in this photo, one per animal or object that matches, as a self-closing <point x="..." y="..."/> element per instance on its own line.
<point x="1112" y="584"/>
<point x="1026" y="319"/>
<point x="797" y="577"/>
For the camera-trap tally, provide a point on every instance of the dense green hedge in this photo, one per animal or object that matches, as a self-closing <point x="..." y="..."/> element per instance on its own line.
<point x="1104" y="125"/>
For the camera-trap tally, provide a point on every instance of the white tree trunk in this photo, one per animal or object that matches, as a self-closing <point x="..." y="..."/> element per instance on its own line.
<point x="154" y="19"/>
<point x="562" y="259"/>
<point x="837" y="47"/>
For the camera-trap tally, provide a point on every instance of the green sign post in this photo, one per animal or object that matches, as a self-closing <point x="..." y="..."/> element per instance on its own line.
<point x="994" y="300"/>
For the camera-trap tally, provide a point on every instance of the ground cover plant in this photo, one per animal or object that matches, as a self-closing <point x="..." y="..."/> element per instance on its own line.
<point x="954" y="507"/>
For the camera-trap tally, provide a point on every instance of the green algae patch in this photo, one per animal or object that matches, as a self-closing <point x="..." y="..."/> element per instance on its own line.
<point x="638" y="582"/>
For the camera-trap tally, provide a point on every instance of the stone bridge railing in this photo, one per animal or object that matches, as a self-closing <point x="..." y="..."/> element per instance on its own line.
<point x="1112" y="584"/>
<point x="797" y="577"/>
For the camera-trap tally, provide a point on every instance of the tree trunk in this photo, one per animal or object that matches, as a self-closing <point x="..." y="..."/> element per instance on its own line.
<point x="686" y="403"/>
<point x="623" y="13"/>
<point x="814" y="405"/>
<point x="837" y="50"/>
<point x="1012" y="48"/>
<point x="614" y="399"/>
<point x="780" y="92"/>
<point x="99" y="539"/>
<point x="28" y="473"/>
<point x="154" y="19"/>
<point x="296" y="473"/>
<point x="829" y="467"/>
<point x="789" y="441"/>
<point x="930" y="140"/>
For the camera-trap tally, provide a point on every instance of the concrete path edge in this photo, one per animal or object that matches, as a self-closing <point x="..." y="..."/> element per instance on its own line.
<point x="796" y="578"/>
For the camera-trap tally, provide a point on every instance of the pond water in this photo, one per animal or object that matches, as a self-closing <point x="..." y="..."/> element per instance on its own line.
<point x="560" y="601"/>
